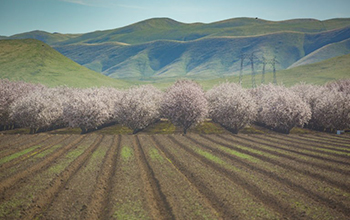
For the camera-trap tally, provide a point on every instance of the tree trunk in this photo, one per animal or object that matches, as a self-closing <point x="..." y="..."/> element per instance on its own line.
<point x="83" y="130"/>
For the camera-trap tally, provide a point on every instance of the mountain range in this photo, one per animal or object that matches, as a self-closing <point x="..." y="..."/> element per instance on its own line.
<point x="161" y="48"/>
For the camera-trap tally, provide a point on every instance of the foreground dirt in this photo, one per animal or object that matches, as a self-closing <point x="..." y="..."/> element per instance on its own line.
<point x="165" y="176"/>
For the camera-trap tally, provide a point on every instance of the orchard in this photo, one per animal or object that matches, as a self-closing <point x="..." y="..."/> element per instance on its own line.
<point x="185" y="104"/>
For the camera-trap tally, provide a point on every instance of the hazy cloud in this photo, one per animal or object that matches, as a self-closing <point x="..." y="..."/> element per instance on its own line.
<point x="103" y="3"/>
<point x="92" y="3"/>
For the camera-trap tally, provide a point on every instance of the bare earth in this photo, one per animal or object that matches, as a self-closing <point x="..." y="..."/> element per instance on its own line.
<point x="209" y="176"/>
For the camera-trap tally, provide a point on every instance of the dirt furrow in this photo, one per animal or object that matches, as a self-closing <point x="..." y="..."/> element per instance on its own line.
<point x="98" y="201"/>
<point x="316" y="176"/>
<point x="157" y="200"/>
<point x="185" y="200"/>
<point x="323" y="165"/>
<point x="41" y="202"/>
<point x="25" y="145"/>
<point x="278" y="178"/>
<point x="311" y="142"/>
<point x="307" y="145"/>
<point x="297" y="149"/>
<point x="342" y="139"/>
<point x="10" y="141"/>
<point x="325" y="141"/>
<point x="128" y="196"/>
<point x="256" y="141"/>
<point x="73" y="199"/>
<point x="220" y="204"/>
<point x="31" y="153"/>
<point x="254" y="190"/>
<point x="205" y="199"/>
<point x="6" y="184"/>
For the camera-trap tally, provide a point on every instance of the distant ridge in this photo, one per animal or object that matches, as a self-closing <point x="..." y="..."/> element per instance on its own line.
<point x="162" y="48"/>
<point x="169" y="29"/>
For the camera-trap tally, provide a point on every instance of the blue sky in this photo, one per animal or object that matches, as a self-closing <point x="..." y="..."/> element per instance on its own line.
<point x="81" y="16"/>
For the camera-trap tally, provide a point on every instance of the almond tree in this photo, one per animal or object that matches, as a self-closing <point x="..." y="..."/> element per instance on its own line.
<point x="40" y="110"/>
<point x="332" y="110"/>
<point x="185" y="104"/>
<point x="139" y="107"/>
<point x="9" y="93"/>
<point x="330" y="105"/>
<point x="342" y="85"/>
<point x="311" y="94"/>
<point x="110" y="97"/>
<point x="231" y="106"/>
<point x="85" y="110"/>
<point x="280" y="108"/>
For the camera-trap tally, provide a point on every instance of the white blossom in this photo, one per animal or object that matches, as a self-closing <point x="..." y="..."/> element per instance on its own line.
<point x="139" y="107"/>
<point x="280" y="108"/>
<point x="231" y="106"/>
<point x="185" y="104"/>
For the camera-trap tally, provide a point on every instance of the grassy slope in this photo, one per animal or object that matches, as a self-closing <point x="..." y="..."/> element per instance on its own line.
<point x="207" y="57"/>
<point x="325" y="52"/>
<point x="316" y="73"/>
<point x="49" y="38"/>
<point x="167" y="29"/>
<point x="204" y="58"/>
<point x="34" y="61"/>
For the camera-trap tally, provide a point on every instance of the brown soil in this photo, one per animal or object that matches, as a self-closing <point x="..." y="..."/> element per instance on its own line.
<point x="211" y="176"/>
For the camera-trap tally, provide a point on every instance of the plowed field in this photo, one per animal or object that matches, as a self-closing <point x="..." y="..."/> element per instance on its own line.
<point x="218" y="176"/>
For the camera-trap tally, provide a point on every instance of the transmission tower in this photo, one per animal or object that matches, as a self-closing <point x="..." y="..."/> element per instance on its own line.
<point x="252" y="57"/>
<point x="264" y="62"/>
<point x="242" y="56"/>
<point x="273" y="63"/>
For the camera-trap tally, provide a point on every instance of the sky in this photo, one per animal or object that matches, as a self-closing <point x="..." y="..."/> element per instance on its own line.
<point x="82" y="16"/>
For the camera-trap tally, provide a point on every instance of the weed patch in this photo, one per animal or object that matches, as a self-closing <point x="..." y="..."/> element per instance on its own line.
<point x="127" y="153"/>
<point x="18" y="154"/>
<point x="155" y="156"/>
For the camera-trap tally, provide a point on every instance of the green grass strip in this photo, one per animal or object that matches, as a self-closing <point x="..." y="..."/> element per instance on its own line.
<point x="18" y="154"/>
<point x="126" y="153"/>
<point x="335" y="152"/>
<point x="210" y="156"/>
<point x="237" y="154"/>
<point x="155" y="155"/>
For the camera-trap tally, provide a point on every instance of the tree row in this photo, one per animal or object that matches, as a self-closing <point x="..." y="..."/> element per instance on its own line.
<point x="184" y="103"/>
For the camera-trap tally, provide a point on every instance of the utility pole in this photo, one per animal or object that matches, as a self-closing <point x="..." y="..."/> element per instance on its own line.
<point x="142" y="68"/>
<point x="251" y="58"/>
<point x="243" y="56"/>
<point x="273" y="63"/>
<point x="264" y="62"/>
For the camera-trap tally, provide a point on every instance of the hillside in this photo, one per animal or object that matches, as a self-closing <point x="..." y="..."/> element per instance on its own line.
<point x="168" y="29"/>
<point x="45" y="37"/>
<point x="324" y="53"/>
<point x="162" y="49"/>
<point x="204" y="58"/>
<point x="317" y="73"/>
<point x="34" y="61"/>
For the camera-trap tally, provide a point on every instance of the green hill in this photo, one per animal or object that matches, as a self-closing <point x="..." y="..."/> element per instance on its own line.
<point x="203" y="58"/>
<point x="45" y="37"/>
<point x="168" y="29"/>
<point x="34" y="61"/>
<point x="324" y="53"/>
<point x="317" y="73"/>
<point x="162" y="50"/>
